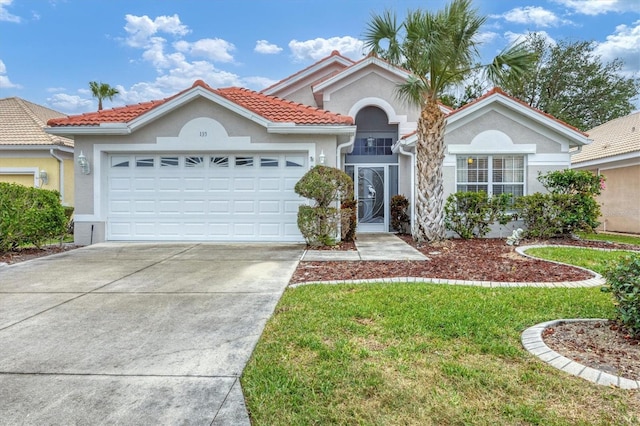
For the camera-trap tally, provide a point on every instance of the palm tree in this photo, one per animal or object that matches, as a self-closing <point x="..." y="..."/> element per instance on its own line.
<point x="102" y="91"/>
<point x="440" y="49"/>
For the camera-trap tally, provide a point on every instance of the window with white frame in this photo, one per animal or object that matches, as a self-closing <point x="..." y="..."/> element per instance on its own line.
<point x="493" y="174"/>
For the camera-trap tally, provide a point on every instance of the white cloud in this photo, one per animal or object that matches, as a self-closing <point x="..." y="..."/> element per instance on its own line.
<point x="5" y="82"/>
<point x="4" y="13"/>
<point x="264" y="47"/>
<point x="486" y="37"/>
<point x="533" y="15"/>
<point x="623" y="44"/>
<point x="70" y="103"/>
<point x="321" y="47"/>
<point x="141" y="29"/>
<point x="598" y="7"/>
<point x="258" y="83"/>
<point x="214" y="49"/>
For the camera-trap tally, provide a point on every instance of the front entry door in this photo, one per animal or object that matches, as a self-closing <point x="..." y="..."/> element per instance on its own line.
<point x="371" y="195"/>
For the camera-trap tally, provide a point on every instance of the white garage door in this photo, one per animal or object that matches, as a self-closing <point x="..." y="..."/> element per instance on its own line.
<point x="204" y="197"/>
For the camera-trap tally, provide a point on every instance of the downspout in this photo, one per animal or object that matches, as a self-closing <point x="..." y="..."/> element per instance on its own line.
<point x="339" y="150"/>
<point x="60" y="173"/>
<point x="410" y="154"/>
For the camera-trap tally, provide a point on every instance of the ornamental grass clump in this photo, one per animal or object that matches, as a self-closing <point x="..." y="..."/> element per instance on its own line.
<point x="623" y="282"/>
<point x="318" y="224"/>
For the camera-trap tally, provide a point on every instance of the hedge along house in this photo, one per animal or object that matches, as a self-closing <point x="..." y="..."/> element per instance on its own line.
<point x="28" y="154"/>
<point x="615" y="153"/>
<point x="220" y="164"/>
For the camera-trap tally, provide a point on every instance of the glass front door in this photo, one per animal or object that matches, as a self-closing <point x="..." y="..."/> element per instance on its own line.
<point x="370" y="184"/>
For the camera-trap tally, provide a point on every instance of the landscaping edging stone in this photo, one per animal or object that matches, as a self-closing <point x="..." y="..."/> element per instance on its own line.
<point x="532" y="341"/>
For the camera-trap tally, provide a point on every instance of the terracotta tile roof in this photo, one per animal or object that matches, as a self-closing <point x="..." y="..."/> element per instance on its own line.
<point x="497" y="90"/>
<point x="23" y="122"/>
<point x="269" y="107"/>
<point x="615" y="137"/>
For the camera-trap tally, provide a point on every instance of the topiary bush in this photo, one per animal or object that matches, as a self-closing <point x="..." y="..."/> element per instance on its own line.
<point x="399" y="216"/>
<point x="318" y="224"/>
<point x="470" y="214"/>
<point x="623" y="281"/>
<point x="569" y="207"/>
<point x="29" y="216"/>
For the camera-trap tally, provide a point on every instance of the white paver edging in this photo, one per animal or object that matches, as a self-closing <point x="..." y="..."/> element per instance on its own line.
<point x="534" y="344"/>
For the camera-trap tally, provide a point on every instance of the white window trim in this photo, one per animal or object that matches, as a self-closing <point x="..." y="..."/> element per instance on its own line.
<point x="23" y="171"/>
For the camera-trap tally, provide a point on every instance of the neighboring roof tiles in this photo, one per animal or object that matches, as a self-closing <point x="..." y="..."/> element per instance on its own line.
<point x="274" y="109"/>
<point x="23" y="122"/>
<point x="615" y="137"/>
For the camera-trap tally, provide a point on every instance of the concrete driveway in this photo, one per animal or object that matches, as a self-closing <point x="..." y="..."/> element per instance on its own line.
<point x="136" y="333"/>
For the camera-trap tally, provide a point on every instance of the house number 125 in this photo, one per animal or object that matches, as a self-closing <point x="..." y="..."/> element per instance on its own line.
<point x="203" y="134"/>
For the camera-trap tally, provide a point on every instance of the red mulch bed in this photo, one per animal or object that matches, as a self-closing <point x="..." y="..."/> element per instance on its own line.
<point x="477" y="259"/>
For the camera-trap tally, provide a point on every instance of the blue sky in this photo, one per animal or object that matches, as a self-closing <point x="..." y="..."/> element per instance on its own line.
<point x="150" y="49"/>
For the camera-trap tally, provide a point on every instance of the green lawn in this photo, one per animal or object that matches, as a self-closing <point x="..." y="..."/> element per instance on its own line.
<point x="614" y="238"/>
<point x="423" y="354"/>
<point x="596" y="260"/>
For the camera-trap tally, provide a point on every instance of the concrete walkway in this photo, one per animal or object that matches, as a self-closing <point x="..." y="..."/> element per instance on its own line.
<point x="381" y="246"/>
<point x="136" y="333"/>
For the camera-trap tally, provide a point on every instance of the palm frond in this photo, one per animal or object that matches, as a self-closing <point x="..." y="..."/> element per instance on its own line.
<point x="516" y="61"/>
<point x="384" y="28"/>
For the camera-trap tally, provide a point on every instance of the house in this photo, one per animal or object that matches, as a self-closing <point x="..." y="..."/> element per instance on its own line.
<point x="615" y="153"/>
<point x="28" y="154"/>
<point x="220" y="164"/>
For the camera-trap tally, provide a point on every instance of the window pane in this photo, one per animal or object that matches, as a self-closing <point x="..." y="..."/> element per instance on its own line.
<point x="269" y="162"/>
<point x="220" y="161"/>
<point x="244" y="161"/>
<point x="294" y="161"/>
<point x="194" y="162"/>
<point x="119" y="161"/>
<point x="144" y="161"/>
<point x="169" y="161"/>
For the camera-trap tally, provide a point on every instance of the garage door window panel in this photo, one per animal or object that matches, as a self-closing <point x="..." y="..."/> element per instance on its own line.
<point x="219" y="162"/>
<point x="194" y="162"/>
<point x="145" y="162"/>
<point x="169" y="161"/>
<point x="244" y="161"/>
<point x="121" y="162"/>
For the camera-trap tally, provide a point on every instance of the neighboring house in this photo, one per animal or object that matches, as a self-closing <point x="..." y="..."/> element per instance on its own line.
<point x="28" y="154"/>
<point x="221" y="164"/>
<point x="615" y="153"/>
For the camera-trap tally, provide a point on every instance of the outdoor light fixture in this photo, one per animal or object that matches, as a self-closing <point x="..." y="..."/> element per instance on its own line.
<point x="83" y="162"/>
<point x="370" y="141"/>
<point x="470" y="160"/>
<point x="322" y="157"/>
<point x="44" y="177"/>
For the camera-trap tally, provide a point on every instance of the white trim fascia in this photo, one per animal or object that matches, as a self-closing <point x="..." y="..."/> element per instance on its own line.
<point x="618" y="166"/>
<point x="357" y="67"/>
<point x="561" y="159"/>
<point x="313" y="129"/>
<point x="404" y="126"/>
<point x="89" y="130"/>
<point x="291" y="80"/>
<point x="605" y="160"/>
<point x="511" y="104"/>
<point x="36" y="148"/>
<point x="345" y="82"/>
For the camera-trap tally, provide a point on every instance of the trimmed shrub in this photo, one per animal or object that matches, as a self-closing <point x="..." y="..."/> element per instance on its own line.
<point x="569" y="207"/>
<point x="470" y="214"/>
<point x="29" y="216"/>
<point x="348" y="212"/>
<point x="399" y="217"/>
<point x="318" y="225"/>
<point x="325" y="185"/>
<point x="623" y="281"/>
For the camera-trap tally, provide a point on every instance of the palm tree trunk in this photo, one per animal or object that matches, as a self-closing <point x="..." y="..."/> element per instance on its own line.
<point x="429" y="203"/>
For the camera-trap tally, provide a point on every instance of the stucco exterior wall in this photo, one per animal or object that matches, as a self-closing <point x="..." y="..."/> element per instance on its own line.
<point x="620" y="200"/>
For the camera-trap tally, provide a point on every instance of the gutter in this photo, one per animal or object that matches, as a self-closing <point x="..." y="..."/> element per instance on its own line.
<point x="399" y="147"/>
<point x="350" y="142"/>
<point x="60" y="173"/>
